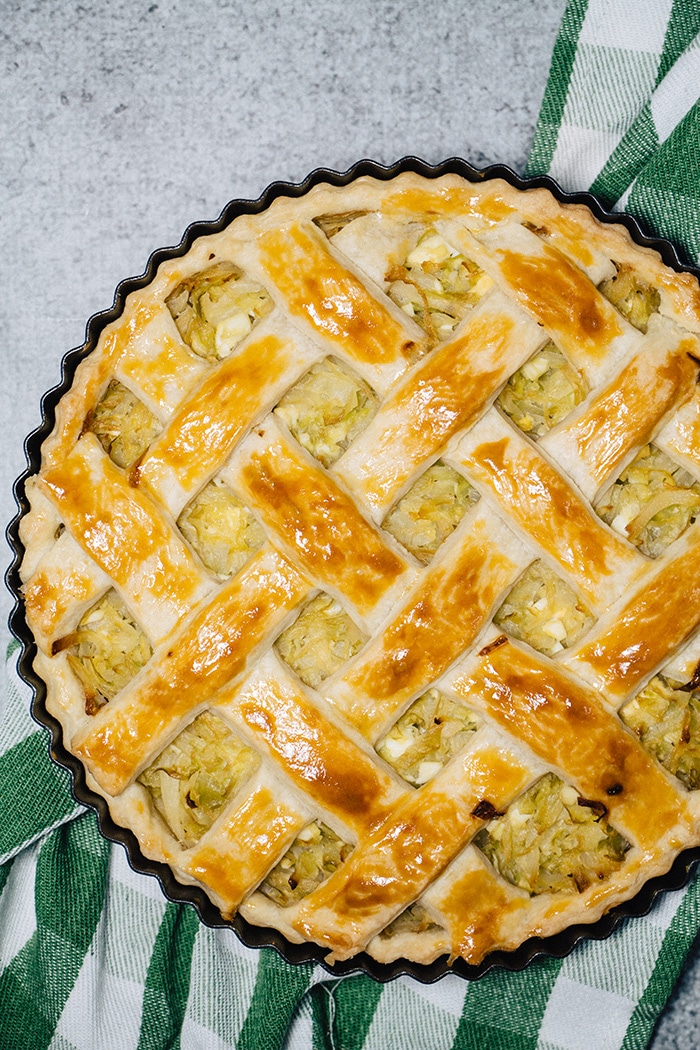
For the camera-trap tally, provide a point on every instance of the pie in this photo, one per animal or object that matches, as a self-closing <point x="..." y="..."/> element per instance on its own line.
<point x="364" y="569"/>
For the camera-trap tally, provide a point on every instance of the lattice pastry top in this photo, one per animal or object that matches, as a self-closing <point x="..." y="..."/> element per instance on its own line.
<point x="364" y="570"/>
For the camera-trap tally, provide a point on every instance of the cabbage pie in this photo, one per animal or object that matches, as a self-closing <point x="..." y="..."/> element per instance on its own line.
<point x="364" y="567"/>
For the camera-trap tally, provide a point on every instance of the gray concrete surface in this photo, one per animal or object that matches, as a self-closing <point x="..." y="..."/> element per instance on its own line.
<point x="123" y="122"/>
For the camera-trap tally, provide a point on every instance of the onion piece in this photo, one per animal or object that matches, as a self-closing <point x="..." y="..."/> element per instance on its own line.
<point x="675" y="497"/>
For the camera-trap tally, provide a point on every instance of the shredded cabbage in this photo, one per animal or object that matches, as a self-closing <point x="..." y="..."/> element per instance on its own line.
<point x="635" y="299"/>
<point x="106" y="650"/>
<point x="217" y="308"/>
<point x="544" y="611"/>
<point x="652" y="503"/>
<point x="550" y="841"/>
<point x="221" y="529"/>
<point x="414" y="919"/>
<point x="320" y="641"/>
<point x="427" y="736"/>
<point x="194" y="777"/>
<point x="431" y="509"/>
<point x="666" y="718"/>
<point x="314" y="855"/>
<point x="123" y="424"/>
<point x="333" y="223"/>
<point x="436" y="285"/>
<point x="327" y="409"/>
<point x="542" y="392"/>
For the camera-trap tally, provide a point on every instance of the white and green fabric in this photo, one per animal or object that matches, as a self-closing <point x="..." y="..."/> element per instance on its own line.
<point x="621" y="113"/>
<point x="92" y="957"/>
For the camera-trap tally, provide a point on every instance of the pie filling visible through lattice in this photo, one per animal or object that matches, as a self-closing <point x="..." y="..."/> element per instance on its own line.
<point x="364" y="568"/>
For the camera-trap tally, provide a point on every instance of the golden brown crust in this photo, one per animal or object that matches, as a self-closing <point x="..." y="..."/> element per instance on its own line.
<point x="94" y="525"/>
<point x="646" y="627"/>
<point x="204" y="429"/>
<point x="443" y="395"/>
<point x="441" y="619"/>
<point x="627" y="411"/>
<point x="568" y="727"/>
<point x="337" y="304"/>
<point x="542" y="503"/>
<point x="554" y="291"/>
<point x="213" y="648"/>
<point x="395" y="863"/>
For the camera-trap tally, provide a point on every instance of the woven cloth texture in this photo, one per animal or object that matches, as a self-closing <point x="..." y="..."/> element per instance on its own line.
<point x="92" y="956"/>
<point x="621" y="112"/>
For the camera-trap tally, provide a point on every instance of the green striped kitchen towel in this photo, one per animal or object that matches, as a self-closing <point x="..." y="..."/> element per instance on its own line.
<point x="92" y="957"/>
<point x="621" y="112"/>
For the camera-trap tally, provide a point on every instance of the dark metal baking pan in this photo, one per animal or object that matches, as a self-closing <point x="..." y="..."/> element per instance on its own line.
<point x="556" y="946"/>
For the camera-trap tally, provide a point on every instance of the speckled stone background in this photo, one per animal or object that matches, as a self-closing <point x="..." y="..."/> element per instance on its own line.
<point x="123" y="122"/>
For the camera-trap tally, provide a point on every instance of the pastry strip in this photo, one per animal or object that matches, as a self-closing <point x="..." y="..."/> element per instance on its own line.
<point x="566" y="724"/>
<point x="333" y="300"/>
<point x="445" y="393"/>
<point x="126" y="535"/>
<point x="213" y="648"/>
<point x="548" y="509"/>
<point x="580" y="320"/>
<point x="318" y="756"/>
<point x="243" y="846"/>
<point x="593" y="262"/>
<point x="442" y="617"/>
<point x="207" y="426"/>
<point x="680" y="437"/>
<point x="66" y="582"/>
<point x="315" y="520"/>
<point x="153" y="360"/>
<point x="374" y="244"/>
<point x="91" y="379"/>
<point x="478" y="907"/>
<point x="392" y="867"/>
<point x="639" y="634"/>
<point x="594" y="444"/>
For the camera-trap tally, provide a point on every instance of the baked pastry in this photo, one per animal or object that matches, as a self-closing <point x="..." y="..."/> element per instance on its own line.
<point x="364" y="571"/>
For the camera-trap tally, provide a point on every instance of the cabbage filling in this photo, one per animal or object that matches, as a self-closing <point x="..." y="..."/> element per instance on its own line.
<point x="427" y="736"/>
<point x="221" y="529"/>
<point x="195" y="776"/>
<point x="314" y="855"/>
<point x="652" y="503"/>
<point x="123" y="424"/>
<point x="414" y="919"/>
<point x="666" y="717"/>
<point x="635" y="299"/>
<point x="327" y="409"/>
<point x="333" y="223"/>
<point x="106" y="650"/>
<point x="217" y="308"/>
<point x="322" y="638"/>
<point x="550" y="840"/>
<point x="542" y="392"/>
<point x="544" y="611"/>
<point x="436" y="285"/>
<point x="431" y="509"/>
